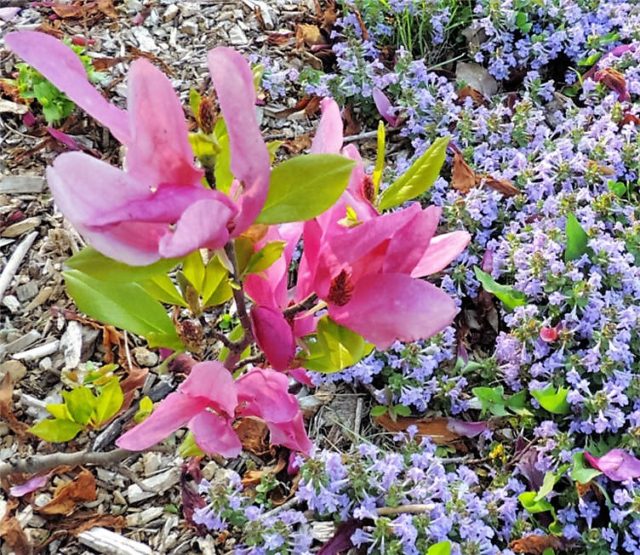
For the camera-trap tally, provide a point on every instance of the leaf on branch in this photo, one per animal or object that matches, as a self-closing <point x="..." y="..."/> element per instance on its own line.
<point x="67" y="496"/>
<point x="418" y="178"/>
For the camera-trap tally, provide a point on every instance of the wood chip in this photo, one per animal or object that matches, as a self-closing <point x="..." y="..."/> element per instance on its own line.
<point x="111" y="543"/>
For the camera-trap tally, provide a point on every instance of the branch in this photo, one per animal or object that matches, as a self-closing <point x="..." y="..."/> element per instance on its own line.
<point x="224" y="340"/>
<point x="249" y="360"/>
<point x="39" y="463"/>
<point x="302" y="306"/>
<point x="405" y="509"/>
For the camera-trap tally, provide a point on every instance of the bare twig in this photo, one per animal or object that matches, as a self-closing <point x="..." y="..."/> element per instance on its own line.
<point x="223" y="339"/>
<point x="256" y="359"/>
<point x="367" y="135"/>
<point x="405" y="509"/>
<point x="302" y="306"/>
<point x="14" y="262"/>
<point x="39" y="463"/>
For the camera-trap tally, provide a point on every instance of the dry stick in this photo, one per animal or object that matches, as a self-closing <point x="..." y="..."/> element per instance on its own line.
<point x="367" y="135"/>
<point x="302" y="306"/>
<point x="14" y="262"/>
<point x="39" y="463"/>
<point x="405" y="509"/>
<point x="256" y="359"/>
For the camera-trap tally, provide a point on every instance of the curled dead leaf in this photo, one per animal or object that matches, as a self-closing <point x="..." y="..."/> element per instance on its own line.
<point x="298" y="144"/>
<point x="463" y="178"/>
<point x="309" y="35"/>
<point x="307" y="106"/>
<point x="503" y="186"/>
<point x="67" y="496"/>
<point x="254" y="435"/>
<point x="6" y="407"/>
<point x="535" y="544"/>
<point x="253" y="477"/>
<point x="82" y="522"/>
<point x="279" y="38"/>
<point x="12" y="534"/>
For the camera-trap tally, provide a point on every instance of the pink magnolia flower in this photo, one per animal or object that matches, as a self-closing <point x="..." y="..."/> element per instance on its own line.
<point x="209" y="401"/>
<point x="617" y="465"/>
<point x="385" y="108"/>
<point x="157" y="207"/>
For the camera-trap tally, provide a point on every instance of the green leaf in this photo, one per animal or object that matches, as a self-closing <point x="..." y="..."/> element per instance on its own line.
<point x="124" y="305"/>
<point x="402" y="410"/>
<point x="335" y="347"/>
<point x="90" y="262"/>
<point x="56" y="430"/>
<point x="80" y="403"/>
<point x="273" y="147"/>
<point x="222" y="170"/>
<point x="581" y="472"/>
<point x="617" y="187"/>
<point x="109" y="402"/>
<point x="205" y="148"/>
<point x="194" y="270"/>
<point x="418" y="178"/>
<point x="216" y="289"/>
<point x="528" y="501"/>
<point x="550" y="480"/>
<point x="189" y="447"/>
<point x="440" y="548"/>
<point x="510" y="297"/>
<point x="164" y="290"/>
<point x="491" y="400"/>
<point x="548" y="551"/>
<point x="378" y="410"/>
<point x="145" y="408"/>
<point x="59" y="411"/>
<point x="380" y="152"/>
<point x="195" y="98"/>
<point x="265" y="257"/>
<point x="304" y="187"/>
<point x="577" y="239"/>
<point x="552" y="400"/>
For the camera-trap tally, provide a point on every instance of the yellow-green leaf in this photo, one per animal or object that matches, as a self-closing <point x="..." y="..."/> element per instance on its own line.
<point x="265" y="257"/>
<point x="145" y="408"/>
<point x="80" y="404"/>
<point x="380" y="152"/>
<point x="109" y="402"/>
<point x="56" y="430"/>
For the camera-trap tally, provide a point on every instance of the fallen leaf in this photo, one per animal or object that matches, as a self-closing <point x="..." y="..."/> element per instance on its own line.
<point x="107" y="8"/>
<point x="535" y="544"/>
<point x="67" y="11"/>
<point x="329" y="17"/>
<point x="6" y="407"/>
<point x="442" y="431"/>
<point x="503" y="186"/>
<point x="253" y="477"/>
<point x="351" y="125"/>
<point x="82" y="522"/>
<point x="254" y="435"/>
<point x="298" y="144"/>
<point x="309" y="35"/>
<point x="629" y="118"/>
<point x="309" y="105"/>
<point x="279" y="39"/>
<point x="134" y="381"/>
<point x="463" y="178"/>
<point x="101" y="64"/>
<point x="363" y="27"/>
<point x="67" y="496"/>
<point x="12" y="534"/>
<point x="475" y="95"/>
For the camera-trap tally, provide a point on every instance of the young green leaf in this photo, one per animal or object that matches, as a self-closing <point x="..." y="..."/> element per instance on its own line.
<point x="533" y="506"/>
<point x="581" y="472"/>
<point x="222" y="170"/>
<point x="265" y="257"/>
<point x="59" y="411"/>
<point x="195" y="99"/>
<point x="216" y="289"/>
<point x="193" y="269"/>
<point x="510" y="297"/>
<point x="380" y="153"/>
<point x="304" y="187"/>
<point x="56" y="430"/>
<point x="552" y="400"/>
<point x="80" y="403"/>
<point x="491" y="400"/>
<point x="440" y="548"/>
<point x="164" y="290"/>
<point x="109" y="402"/>
<point x="378" y="410"/>
<point x="335" y="347"/>
<point x="124" y="305"/>
<point x="418" y="178"/>
<point x="145" y="408"/>
<point x="577" y="239"/>
<point x="90" y="262"/>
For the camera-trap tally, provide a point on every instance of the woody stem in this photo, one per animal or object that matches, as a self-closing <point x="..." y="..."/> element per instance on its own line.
<point x="302" y="306"/>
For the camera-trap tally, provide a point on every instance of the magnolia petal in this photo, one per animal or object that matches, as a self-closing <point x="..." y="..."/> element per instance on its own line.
<point x="443" y="249"/>
<point x="467" y="429"/>
<point x="61" y="65"/>
<point x="30" y="485"/>
<point x="329" y="136"/>
<point x="274" y="336"/>
<point x="409" y="243"/>
<point x="265" y="394"/>
<point x="250" y="163"/>
<point x="170" y="415"/>
<point x="215" y="435"/>
<point x="385" y="108"/>
<point x="214" y="383"/>
<point x="291" y="434"/>
<point x="203" y="224"/>
<point x="7" y="14"/>
<point x="159" y="151"/>
<point x="389" y="307"/>
<point x="617" y="465"/>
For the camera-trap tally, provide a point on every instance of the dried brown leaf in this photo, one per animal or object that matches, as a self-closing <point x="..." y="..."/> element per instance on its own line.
<point x="67" y="496"/>
<point x="279" y="39"/>
<point x="6" y="407"/>
<point x="82" y="522"/>
<point x="298" y="144"/>
<point x="503" y="186"/>
<point x="12" y="534"/>
<point x="310" y="105"/>
<point x="309" y="35"/>
<point x="475" y="95"/>
<point x="254" y="435"/>
<point x="463" y="178"/>
<point x="107" y="8"/>
<point x="253" y="477"/>
<point x="351" y="125"/>
<point x="328" y="18"/>
<point x="535" y="544"/>
<point x="436" y="428"/>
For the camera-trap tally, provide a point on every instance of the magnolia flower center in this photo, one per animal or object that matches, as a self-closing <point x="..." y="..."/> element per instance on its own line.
<point x="341" y="289"/>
